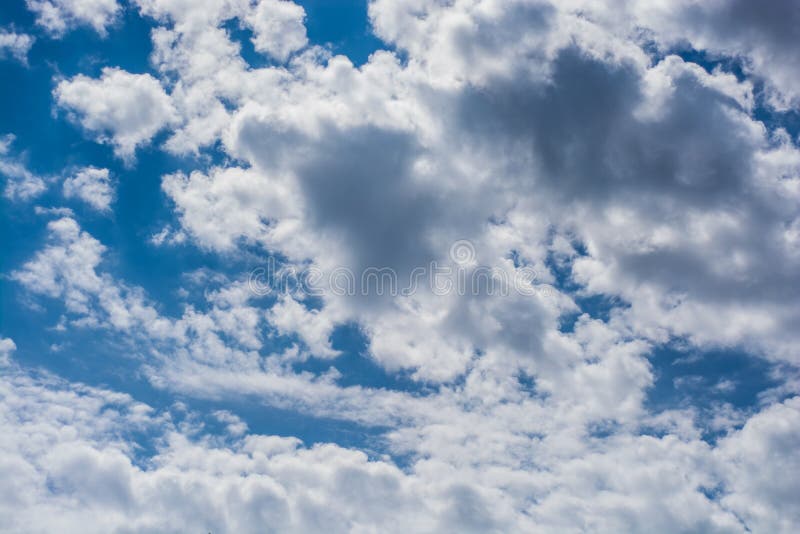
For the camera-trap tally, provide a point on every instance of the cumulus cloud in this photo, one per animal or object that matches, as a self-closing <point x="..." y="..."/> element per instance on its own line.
<point x="758" y="461"/>
<point x="91" y="185"/>
<point x="122" y="109"/>
<point x="16" y="45"/>
<point x="237" y="204"/>
<point x="67" y="269"/>
<point x="761" y="38"/>
<point x="278" y="28"/>
<point x="81" y="457"/>
<point x="673" y="137"/>
<point x="60" y="16"/>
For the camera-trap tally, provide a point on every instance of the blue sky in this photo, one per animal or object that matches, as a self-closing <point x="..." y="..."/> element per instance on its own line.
<point x="630" y="172"/>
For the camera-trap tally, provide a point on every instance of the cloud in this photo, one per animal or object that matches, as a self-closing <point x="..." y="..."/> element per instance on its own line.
<point x="290" y="317"/>
<point x="93" y="186"/>
<point x="762" y="38"/>
<point x="21" y="183"/>
<point x="7" y="348"/>
<point x="237" y="203"/>
<point x="485" y="453"/>
<point x="60" y="16"/>
<point x="278" y="28"/>
<point x="16" y="45"/>
<point x="616" y="147"/>
<point x="757" y="463"/>
<point x="66" y="269"/>
<point x="639" y="179"/>
<point x="122" y="109"/>
<point x="81" y="456"/>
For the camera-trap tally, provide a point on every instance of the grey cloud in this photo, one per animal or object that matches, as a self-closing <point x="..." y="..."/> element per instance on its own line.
<point x="360" y="183"/>
<point x="578" y="137"/>
<point x="761" y="35"/>
<point x="575" y="145"/>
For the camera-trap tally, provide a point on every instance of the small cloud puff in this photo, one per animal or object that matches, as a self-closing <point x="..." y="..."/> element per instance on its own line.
<point x="93" y="186"/>
<point x="59" y="16"/>
<point x="122" y="109"/>
<point x="16" y="45"/>
<point x="21" y="183"/>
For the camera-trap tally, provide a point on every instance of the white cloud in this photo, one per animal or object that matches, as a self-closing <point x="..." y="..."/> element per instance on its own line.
<point x="66" y="269"/>
<point x="93" y="186"/>
<point x="7" y="348"/>
<point x="236" y="203"/>
<point x="21" y="183"/>
<point x="278" y="28"/>
<point x="122" y="109"/>
<point x="234" y="425"/>
<point x="485" y="454"/>
<point x="762" y="39"/>
<point x="454" y="109"/>
<point x="16" y="45"/>
<point x="59" y="16"/>
<point x="759" y="463"/>
<point x="290" y="317"/>
<point x="81" y="456"/>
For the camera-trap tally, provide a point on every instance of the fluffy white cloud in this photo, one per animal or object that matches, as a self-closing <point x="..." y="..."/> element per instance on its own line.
<point x="758" y="463"/>
<point x="59" y="16"/>
<point x="21" y="183"/>
<point x="122" y="109"/>
<point x="15" y="45"/>
<point x="67" y="466"/>
<point x="278" y="28"/>
<point x="315" y="329"/>
<point x="93" y="186"/>
<point x="66" y="269"/>
<point x="236" y="203"/>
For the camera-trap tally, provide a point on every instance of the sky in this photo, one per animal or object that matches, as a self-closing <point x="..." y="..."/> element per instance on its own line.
<point x="399" y="266"/>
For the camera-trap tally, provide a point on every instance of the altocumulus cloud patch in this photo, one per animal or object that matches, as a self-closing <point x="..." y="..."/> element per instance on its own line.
<point x="471" y="266"/>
